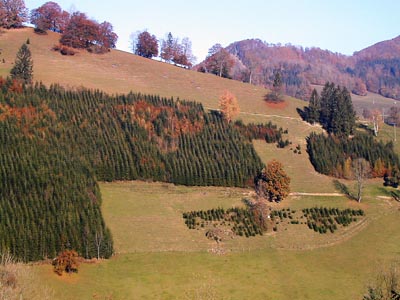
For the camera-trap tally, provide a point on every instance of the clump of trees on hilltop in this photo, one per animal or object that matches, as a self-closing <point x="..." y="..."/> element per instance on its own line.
<point x="172" y="50"/>
<point x="77" y="29"/>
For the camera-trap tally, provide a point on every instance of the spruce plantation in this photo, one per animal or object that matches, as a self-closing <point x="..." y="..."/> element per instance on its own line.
<point x="125" y="137"/>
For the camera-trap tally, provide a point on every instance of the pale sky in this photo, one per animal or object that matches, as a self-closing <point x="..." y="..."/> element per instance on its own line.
<point x="342" y="26"/>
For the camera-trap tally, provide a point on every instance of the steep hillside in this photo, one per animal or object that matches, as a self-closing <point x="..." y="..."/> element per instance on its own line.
<point x="122" y="72"/>
<point x="375" y="68"/>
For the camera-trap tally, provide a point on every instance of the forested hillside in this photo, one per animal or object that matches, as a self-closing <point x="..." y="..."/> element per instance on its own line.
<point x="374" y="69"/>
<point x="55" y="144"/>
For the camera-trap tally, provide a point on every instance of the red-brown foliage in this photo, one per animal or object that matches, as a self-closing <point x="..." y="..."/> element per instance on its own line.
<point x="64" y="50"/>
<point x="84" y="33"/>
<point x="375" y="69"/>
<point x="146" y="45"/>
<point x="66" y="261"/>
<point x="28" y="117"/>
<point x="13" y="14"/>
<point x="49" y="16"/>
<point x="145" y="114"/>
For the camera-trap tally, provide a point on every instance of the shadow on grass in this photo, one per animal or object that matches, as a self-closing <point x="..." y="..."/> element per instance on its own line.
<point x="303" y="113"/>
<point x="341" y="187"/>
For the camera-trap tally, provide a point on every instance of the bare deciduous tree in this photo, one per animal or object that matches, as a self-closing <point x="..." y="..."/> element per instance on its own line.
<point x="98" y="239"/>
<point x="362" y="171"/>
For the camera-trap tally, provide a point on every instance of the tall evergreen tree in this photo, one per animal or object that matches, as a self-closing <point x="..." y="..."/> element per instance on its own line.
<point x="337" y="113"/>
<point x="314" y="107"/>
<point x="23" y="66"/>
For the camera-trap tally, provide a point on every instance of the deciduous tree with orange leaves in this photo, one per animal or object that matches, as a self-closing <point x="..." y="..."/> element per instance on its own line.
<point x="272" y="182"/>
<point x="229" y="106"/>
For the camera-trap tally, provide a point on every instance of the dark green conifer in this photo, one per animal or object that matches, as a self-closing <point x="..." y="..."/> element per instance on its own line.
<point x="314" y="107"/>
<point x="23" y="66"/>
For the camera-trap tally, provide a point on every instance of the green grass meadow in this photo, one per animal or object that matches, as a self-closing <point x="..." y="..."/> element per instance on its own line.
<point x="157" y="257"/>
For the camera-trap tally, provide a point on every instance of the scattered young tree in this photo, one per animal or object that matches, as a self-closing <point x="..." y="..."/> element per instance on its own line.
<point x="146" y="45"/>
<point x="362" y="171"/>
<point x="13" y="13"/>
<point x="273" y="183"/>
<point x="229" y="106"/>
<point x="66" y="261"/>
<point x="23" y="66"/>
<point x="49" y="16"/>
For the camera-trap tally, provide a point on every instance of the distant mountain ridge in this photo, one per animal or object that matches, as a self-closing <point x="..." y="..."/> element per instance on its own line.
<point x="386" y="50"/>
<point x="375" y="69"/>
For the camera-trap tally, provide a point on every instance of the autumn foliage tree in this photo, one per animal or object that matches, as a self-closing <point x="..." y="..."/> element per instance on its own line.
<point x="13" y="13"/>
<point x="66" y="261"/>
<point x="219" y="61"/>
<point x="229" y="106"/>
<point x="146" y="45"/>
<point x="49" y="16"/>
<point x="84" y="33"/>
<point x="180" y="53"/>
<point x="272" y="182"/>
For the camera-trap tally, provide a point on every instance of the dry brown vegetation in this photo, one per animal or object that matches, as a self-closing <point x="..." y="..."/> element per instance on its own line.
<point x="17" y="281"/>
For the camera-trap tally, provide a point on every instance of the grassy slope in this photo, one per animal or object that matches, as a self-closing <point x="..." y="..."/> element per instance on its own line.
<point x="121" y="72"/>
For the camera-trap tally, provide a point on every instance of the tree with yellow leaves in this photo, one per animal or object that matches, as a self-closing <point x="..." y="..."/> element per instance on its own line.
<point x="229" y="106"/>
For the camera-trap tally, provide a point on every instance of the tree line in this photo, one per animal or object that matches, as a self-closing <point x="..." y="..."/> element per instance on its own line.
<point x="77" y="29"/>
<point x="170" y="49"/>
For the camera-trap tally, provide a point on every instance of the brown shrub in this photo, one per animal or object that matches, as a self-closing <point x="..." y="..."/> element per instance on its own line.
<point x="64" y="50"/>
